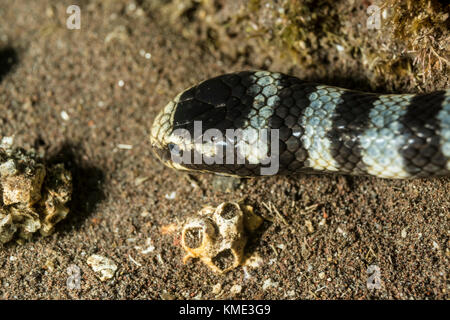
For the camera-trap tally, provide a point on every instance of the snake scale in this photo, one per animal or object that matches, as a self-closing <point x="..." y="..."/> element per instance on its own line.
<point x="310" y="128"/>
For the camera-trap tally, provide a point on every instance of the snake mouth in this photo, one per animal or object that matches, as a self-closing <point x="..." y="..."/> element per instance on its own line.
<point x="160" y="151"/>
<point x="160" y="130"/>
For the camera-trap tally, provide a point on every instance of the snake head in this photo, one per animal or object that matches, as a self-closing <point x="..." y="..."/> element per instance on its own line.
<point x="218" y="125"/>
<point x="160" y="135"/>
<point x="175" y="130"/>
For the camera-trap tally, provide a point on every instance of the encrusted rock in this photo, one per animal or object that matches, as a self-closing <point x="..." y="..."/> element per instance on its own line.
<point x="33" y="196"/>
<point x="7" y="228"/>
<point x="218" y="236"/>
<point x="25" y="187"/>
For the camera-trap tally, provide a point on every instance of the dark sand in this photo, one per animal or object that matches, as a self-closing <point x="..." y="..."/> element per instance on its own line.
<point x="400" y="226"/>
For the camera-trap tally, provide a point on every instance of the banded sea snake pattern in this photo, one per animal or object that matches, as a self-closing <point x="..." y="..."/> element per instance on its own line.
<point x="320" y="128"/>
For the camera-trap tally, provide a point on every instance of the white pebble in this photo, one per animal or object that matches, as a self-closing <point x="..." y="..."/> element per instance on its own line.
<point x="247" y="275"/>
<point x="125" y="146"/>
<point x="171" y="196"/>
<point x="236" y="289"/>
<point x="7" y="142"/>
<point x="403" y="234"/>
<point x="8" y="168"/>
<point x="339" y="48"/>
<point x="344" y="234"/>
<point x="145" y="213"/>
<point x="65" y="116"/>
<point x="217" y="288"/>
<point x="269" y="284"/>
<point x="102" y="265"/>
<point x="121" y="83"/>
<point x="150" y="246"/>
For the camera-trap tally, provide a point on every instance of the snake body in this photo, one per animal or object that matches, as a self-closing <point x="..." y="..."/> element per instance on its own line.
<point x="319" y="128"/>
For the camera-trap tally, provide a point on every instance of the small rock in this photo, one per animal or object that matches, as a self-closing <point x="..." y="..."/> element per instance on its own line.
<point x="23" y="188"/>
<point x="6" y="143"/>
<point x="339" y="229"/>
<point x="140" y="180"/>
<point x="404" y="233"/>
<point x="309" y="226"/>
<point x="124" y="146"/>
<point x="7" y="228"/>
<point x="171" y="196"/>
<point x="8" y="168"/>
<point x="102" y="265"/>
<point x="198" y="296"/>
<point x="236" y="289"/>
<point x="339" y="48"/>
<point x="269" y="284"/>
<point x="149" y="246"/>
<point x="217" y="288"/>
<point x="65" y="116"/>
<point x="251" y="220"/>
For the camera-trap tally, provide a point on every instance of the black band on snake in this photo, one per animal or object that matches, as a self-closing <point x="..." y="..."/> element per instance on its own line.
<point x="244" y="123"/>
